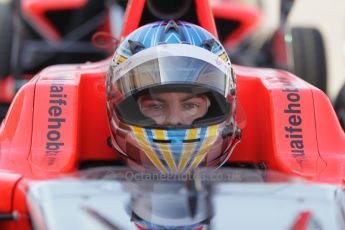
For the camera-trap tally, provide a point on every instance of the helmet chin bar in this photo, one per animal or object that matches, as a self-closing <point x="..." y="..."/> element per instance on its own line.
<point x="236" y="139"/>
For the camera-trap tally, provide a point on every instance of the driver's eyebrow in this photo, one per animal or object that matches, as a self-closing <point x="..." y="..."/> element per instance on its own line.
<point x="183" y="99"/>
<point x="156" y="98"/>
<point x="188" y="97"/>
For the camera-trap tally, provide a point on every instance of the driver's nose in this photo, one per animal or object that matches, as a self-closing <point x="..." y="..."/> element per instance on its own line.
<point x="173" y="117"/>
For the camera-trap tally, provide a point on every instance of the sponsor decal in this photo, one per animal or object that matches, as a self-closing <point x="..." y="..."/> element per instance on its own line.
<point x="294" y="131"/>
<point x="292" y="109"/>
<point x="57" y="101"/>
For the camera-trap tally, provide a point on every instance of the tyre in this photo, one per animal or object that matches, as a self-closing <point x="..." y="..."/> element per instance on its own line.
<point x="6" y="32"/>
<point x="339" y="106"/>
<point x="3" y="111"/>
<point x="309" y="56"/>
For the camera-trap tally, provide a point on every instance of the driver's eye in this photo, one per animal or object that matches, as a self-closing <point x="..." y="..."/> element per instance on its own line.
<point x="188" y="106"/>
<point x="156" y="107"/>
<point x="153" y="109"/>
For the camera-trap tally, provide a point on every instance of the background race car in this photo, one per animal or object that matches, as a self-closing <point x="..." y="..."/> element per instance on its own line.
<point x="318" y="40"/>
<point x="36" y="34"/>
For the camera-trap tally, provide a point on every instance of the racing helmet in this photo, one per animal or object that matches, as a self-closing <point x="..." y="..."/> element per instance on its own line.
<point x="171" y="97"/>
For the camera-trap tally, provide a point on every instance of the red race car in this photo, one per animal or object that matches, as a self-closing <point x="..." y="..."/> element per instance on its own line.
<point x="287" y="125"/>
<point x="37" y="34"/>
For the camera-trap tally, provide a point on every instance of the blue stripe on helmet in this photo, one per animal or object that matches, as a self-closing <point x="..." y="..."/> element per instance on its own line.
<point x="202" y="135"/>
<point x="156" y="149"/>
<point x="176" y="147"/>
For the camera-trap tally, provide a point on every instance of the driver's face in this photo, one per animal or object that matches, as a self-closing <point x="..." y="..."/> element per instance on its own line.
<point x="173" y="108"/>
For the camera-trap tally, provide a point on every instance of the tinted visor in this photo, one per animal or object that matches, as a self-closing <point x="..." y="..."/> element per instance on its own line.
<point x="173" y="70"/>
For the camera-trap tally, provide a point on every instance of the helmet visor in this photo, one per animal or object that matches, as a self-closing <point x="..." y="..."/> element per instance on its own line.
<point x="162" y="88"/>
<point x="168" y="65"/>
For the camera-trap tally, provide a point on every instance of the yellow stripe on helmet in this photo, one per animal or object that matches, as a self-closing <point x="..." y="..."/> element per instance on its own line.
<point x="120" y="59"/>
<point x="142" y="140"/>
<point x="188" y="148"/>
<point x="224" y="57"/>
<point x="161" y="135"/>
<point x="210" y="138"/>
